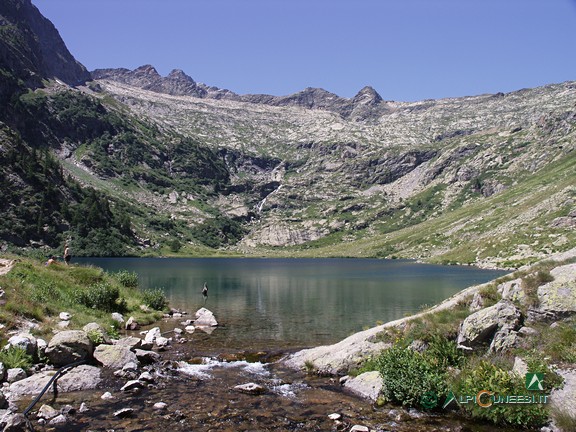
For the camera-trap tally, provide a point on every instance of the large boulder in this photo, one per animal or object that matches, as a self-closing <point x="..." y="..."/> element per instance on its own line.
<point x="114" y="356"/>
<point x="556" y="299"/>
<point x="68" y="347"/>
<point x="205" y="318"/>
<point x="479" y="328"/>
<point x="25" y="341"/>
<point x="81" y="377"/>
<point x="97" y="332"/>
<point x="513" y="291"/>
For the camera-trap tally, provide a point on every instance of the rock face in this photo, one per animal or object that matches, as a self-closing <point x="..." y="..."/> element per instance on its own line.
<point x="480" y="327"/>
<point x="36" y="50"/>
<point x="557" y="299"/>
<point x="68" y="347"/>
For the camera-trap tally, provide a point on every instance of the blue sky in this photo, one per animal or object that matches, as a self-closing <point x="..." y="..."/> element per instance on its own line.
<point x="407" y="50"/>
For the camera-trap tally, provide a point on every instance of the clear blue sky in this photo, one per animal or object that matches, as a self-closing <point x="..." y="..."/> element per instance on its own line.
<point x="406" y="49"/>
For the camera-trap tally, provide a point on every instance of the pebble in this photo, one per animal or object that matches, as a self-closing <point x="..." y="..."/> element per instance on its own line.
<point x="359" y="428"/>
<point x="160" y="405"/>
<point x="107" y="396"/>
<point x="335" y="416"/>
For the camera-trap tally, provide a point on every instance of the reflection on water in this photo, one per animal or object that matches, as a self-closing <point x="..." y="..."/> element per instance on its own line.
<point x="271" y="303"/>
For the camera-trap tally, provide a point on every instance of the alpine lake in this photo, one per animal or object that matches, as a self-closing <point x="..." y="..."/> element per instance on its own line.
<point x="267" y="308"/>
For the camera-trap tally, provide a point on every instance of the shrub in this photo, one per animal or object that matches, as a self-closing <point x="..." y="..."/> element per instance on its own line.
<point x="155" y="298"/>
<point x="127" y="279"/>
<point x="102" y="296"/>
<point x="410" y="377"/>
<point x="486" y="376"/>
<point x="15" y="357"/>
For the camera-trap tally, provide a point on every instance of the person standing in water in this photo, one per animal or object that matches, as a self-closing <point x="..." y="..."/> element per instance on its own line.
<point x="205" y="292"/>
<point x="67" y="255"/>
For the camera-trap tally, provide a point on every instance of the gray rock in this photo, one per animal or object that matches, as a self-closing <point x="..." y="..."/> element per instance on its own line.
<point x="117" y="317"/>
<point x="132" y="385"/>
<point x="147" y="357"/>
<point x="107" y="396"/>
<point x="81" y="377"/>
<point x="160" y="406"/>
<point x="83" y="408"/>
<point x="504" y="339"/>
<point x="477" y="302"/>
<point x="556" y="299"/>
<point x="3" y="372"/>
<point x="162" y="342"/>
<point x="3" y="401"/>
<point x="25" y="341"/>
<point x="146" y="377"/>
<point x="564" y="399"/>
<point x="520" y="367"/>
<point x="16" y="374"/>
<point x="512" y="290"/>
<point x="480" y="327"/>
<point x="42" y="345"/>
<point x="68" y="347"/>
<point x="114" y="356"/>
<point x="250" y="388"/>
<point x="131" y="366"/>
<point x="47" y="412"/>
<point x="205" y="318"/>
<point x="359" y="428"/>
<point x="60" y="419"/>
<point x="131" y="342"/>
<point x="367" y="385"/>
<point x="152" y="334"/>
<point x="14" y="422"/>
<point x="189" y="329"/>
<point x="132" y="324"/>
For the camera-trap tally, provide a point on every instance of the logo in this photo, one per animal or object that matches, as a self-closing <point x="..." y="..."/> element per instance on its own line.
<point x="449" y="399"/>
<point x="534" y="381"/>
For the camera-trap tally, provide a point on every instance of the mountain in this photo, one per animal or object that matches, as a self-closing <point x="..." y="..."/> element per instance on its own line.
<point x="176" y="164"/>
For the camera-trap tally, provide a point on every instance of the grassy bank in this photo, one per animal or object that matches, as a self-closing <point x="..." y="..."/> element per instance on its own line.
<point x="36" y="293"/>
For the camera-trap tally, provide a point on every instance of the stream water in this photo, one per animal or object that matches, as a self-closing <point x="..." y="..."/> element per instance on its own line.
<point x="267" y="309"/>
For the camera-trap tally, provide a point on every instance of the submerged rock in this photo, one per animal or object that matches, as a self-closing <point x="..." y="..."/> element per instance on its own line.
<point x="250" y="388"/>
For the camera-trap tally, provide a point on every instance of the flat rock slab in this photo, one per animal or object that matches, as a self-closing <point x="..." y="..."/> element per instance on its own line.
<point x="81" y="377"/>
<point x="367" y="385"/>
<point x="114" y="356"/>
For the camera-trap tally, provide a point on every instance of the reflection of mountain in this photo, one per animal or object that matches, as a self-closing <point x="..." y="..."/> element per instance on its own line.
<point x="299" y="302"/>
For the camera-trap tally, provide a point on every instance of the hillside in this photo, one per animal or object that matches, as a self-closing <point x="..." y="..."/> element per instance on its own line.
<point x="180" y="166"/>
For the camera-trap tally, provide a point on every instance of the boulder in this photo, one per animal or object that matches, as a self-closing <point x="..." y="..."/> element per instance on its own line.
<point x="513" y="291"/>
<point x="477" y="302"/>
<point x="81" y="377"/>
<point x="14" y="422"/>
<point x="59" y="420"/>
<point x="16" y="374"/>
<point x="131" y="342"/>
<point x="68" y="347"/>
<point x="114" y="356"/>
<point x="162" y="342"/>
<point x="480" y="327"/>
<point x="504" y="339"/>
<point x="205" y="318"/>
<point x="47" y="412"/>
<point x="152" y="334"/>
<point x="147" y="357"/>
<point x="132" y="385"/>
<point x="97" y="330"/>
<point x="367" y="385"/>
<point x="556" y="299"/>
<point x="25" y="341"/>
<point x="132" y="324"/>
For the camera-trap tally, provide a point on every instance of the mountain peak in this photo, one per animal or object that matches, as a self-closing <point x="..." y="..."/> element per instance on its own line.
<point x="367" y="96"/>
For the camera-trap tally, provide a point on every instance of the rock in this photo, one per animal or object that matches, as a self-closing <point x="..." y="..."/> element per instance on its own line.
<point x="3" y="401"/>
<point x="60" y="419"/>
<point x="63" y="325"/>
<point x="132" y="324"/>
<point x="250" y="388"/>
<point x="367" y="385"/>
<point x="65" y="316"/>
<point x="25" y="341"/>
<point x="160" y="406"/>
<point x="16" y="374"/>
<point x="81" y="377"/>
<point x="343" y="379"/>
<point x="564" y="399"/>
<point x="124" y="413"/>
<point x="3" y="372"/>
<point x="68" y="347"/>
<point x="132" y="385"/>
<point x="512" y="290"/>
<point x="147" y="357"/>
<point x="117" y="317"/>
<point x="205" y="318"/>
<point x="146" y="377"/>
<point x="527" y="331"/>
<point x="178" y="331"/>
<point x="131" y="342"/>
<point x="98" y="332"/>
<point x="83" y="408"/>
<point x="504" y="339"/>
<point x="130" y="367"/>
<point x="14" y="422"/>
<point x="42" y="345"/>
<point x="152" y="334"/>
<point x="114" y="356"/>
<point x="107" y="396"/>
<point x="186" y="323"/>
<point x="189" y="329"/>
<point x="556" y="299"/>
<point x="162" y="342"/>
<point x="520" y="367"/>
<point x="480" y="327"/>
<point x="359" y="428"/>
<point x="477" y="302"/>
<point x="334" y="416"/>
<point x="47" y="412"/>
<point x="68" y="410"/>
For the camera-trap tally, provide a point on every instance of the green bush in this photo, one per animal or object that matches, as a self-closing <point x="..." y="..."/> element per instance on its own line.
<point x="102" y="296"/>
<point x="15" y="357"/>
<point x="411" y="376"/>
<point x="484" y="375"/>
<point x="127" y="279"/>
<point x="155" y="298"/>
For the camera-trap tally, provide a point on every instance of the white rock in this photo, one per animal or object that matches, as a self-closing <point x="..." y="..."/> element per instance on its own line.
<point x="178" y="331"/>
<point x="131" y="385"/>
<point x="206" y="318"/>
<point x="190" y="329"/>
<point x="117" y="317"/>
<point x="124" y="412"/>
<point x="107" y="396"/>
<point x="162" y="342"/>
<point x="83" y="407"/>
<point x="335" y="416"/>
<point x="160" y="405"/>
<point x="250" y="388"/>
<point x="359" y="428"/>
<point x="58" y="420"/>
<point x="47" y="412"/>
<point x="152" y="334"/>
<point x="65" y="316"/>
<point x="146" y="377"/>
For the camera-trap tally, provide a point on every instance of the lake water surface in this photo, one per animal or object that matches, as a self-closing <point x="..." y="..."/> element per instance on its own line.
<point x="283" y="303"/>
